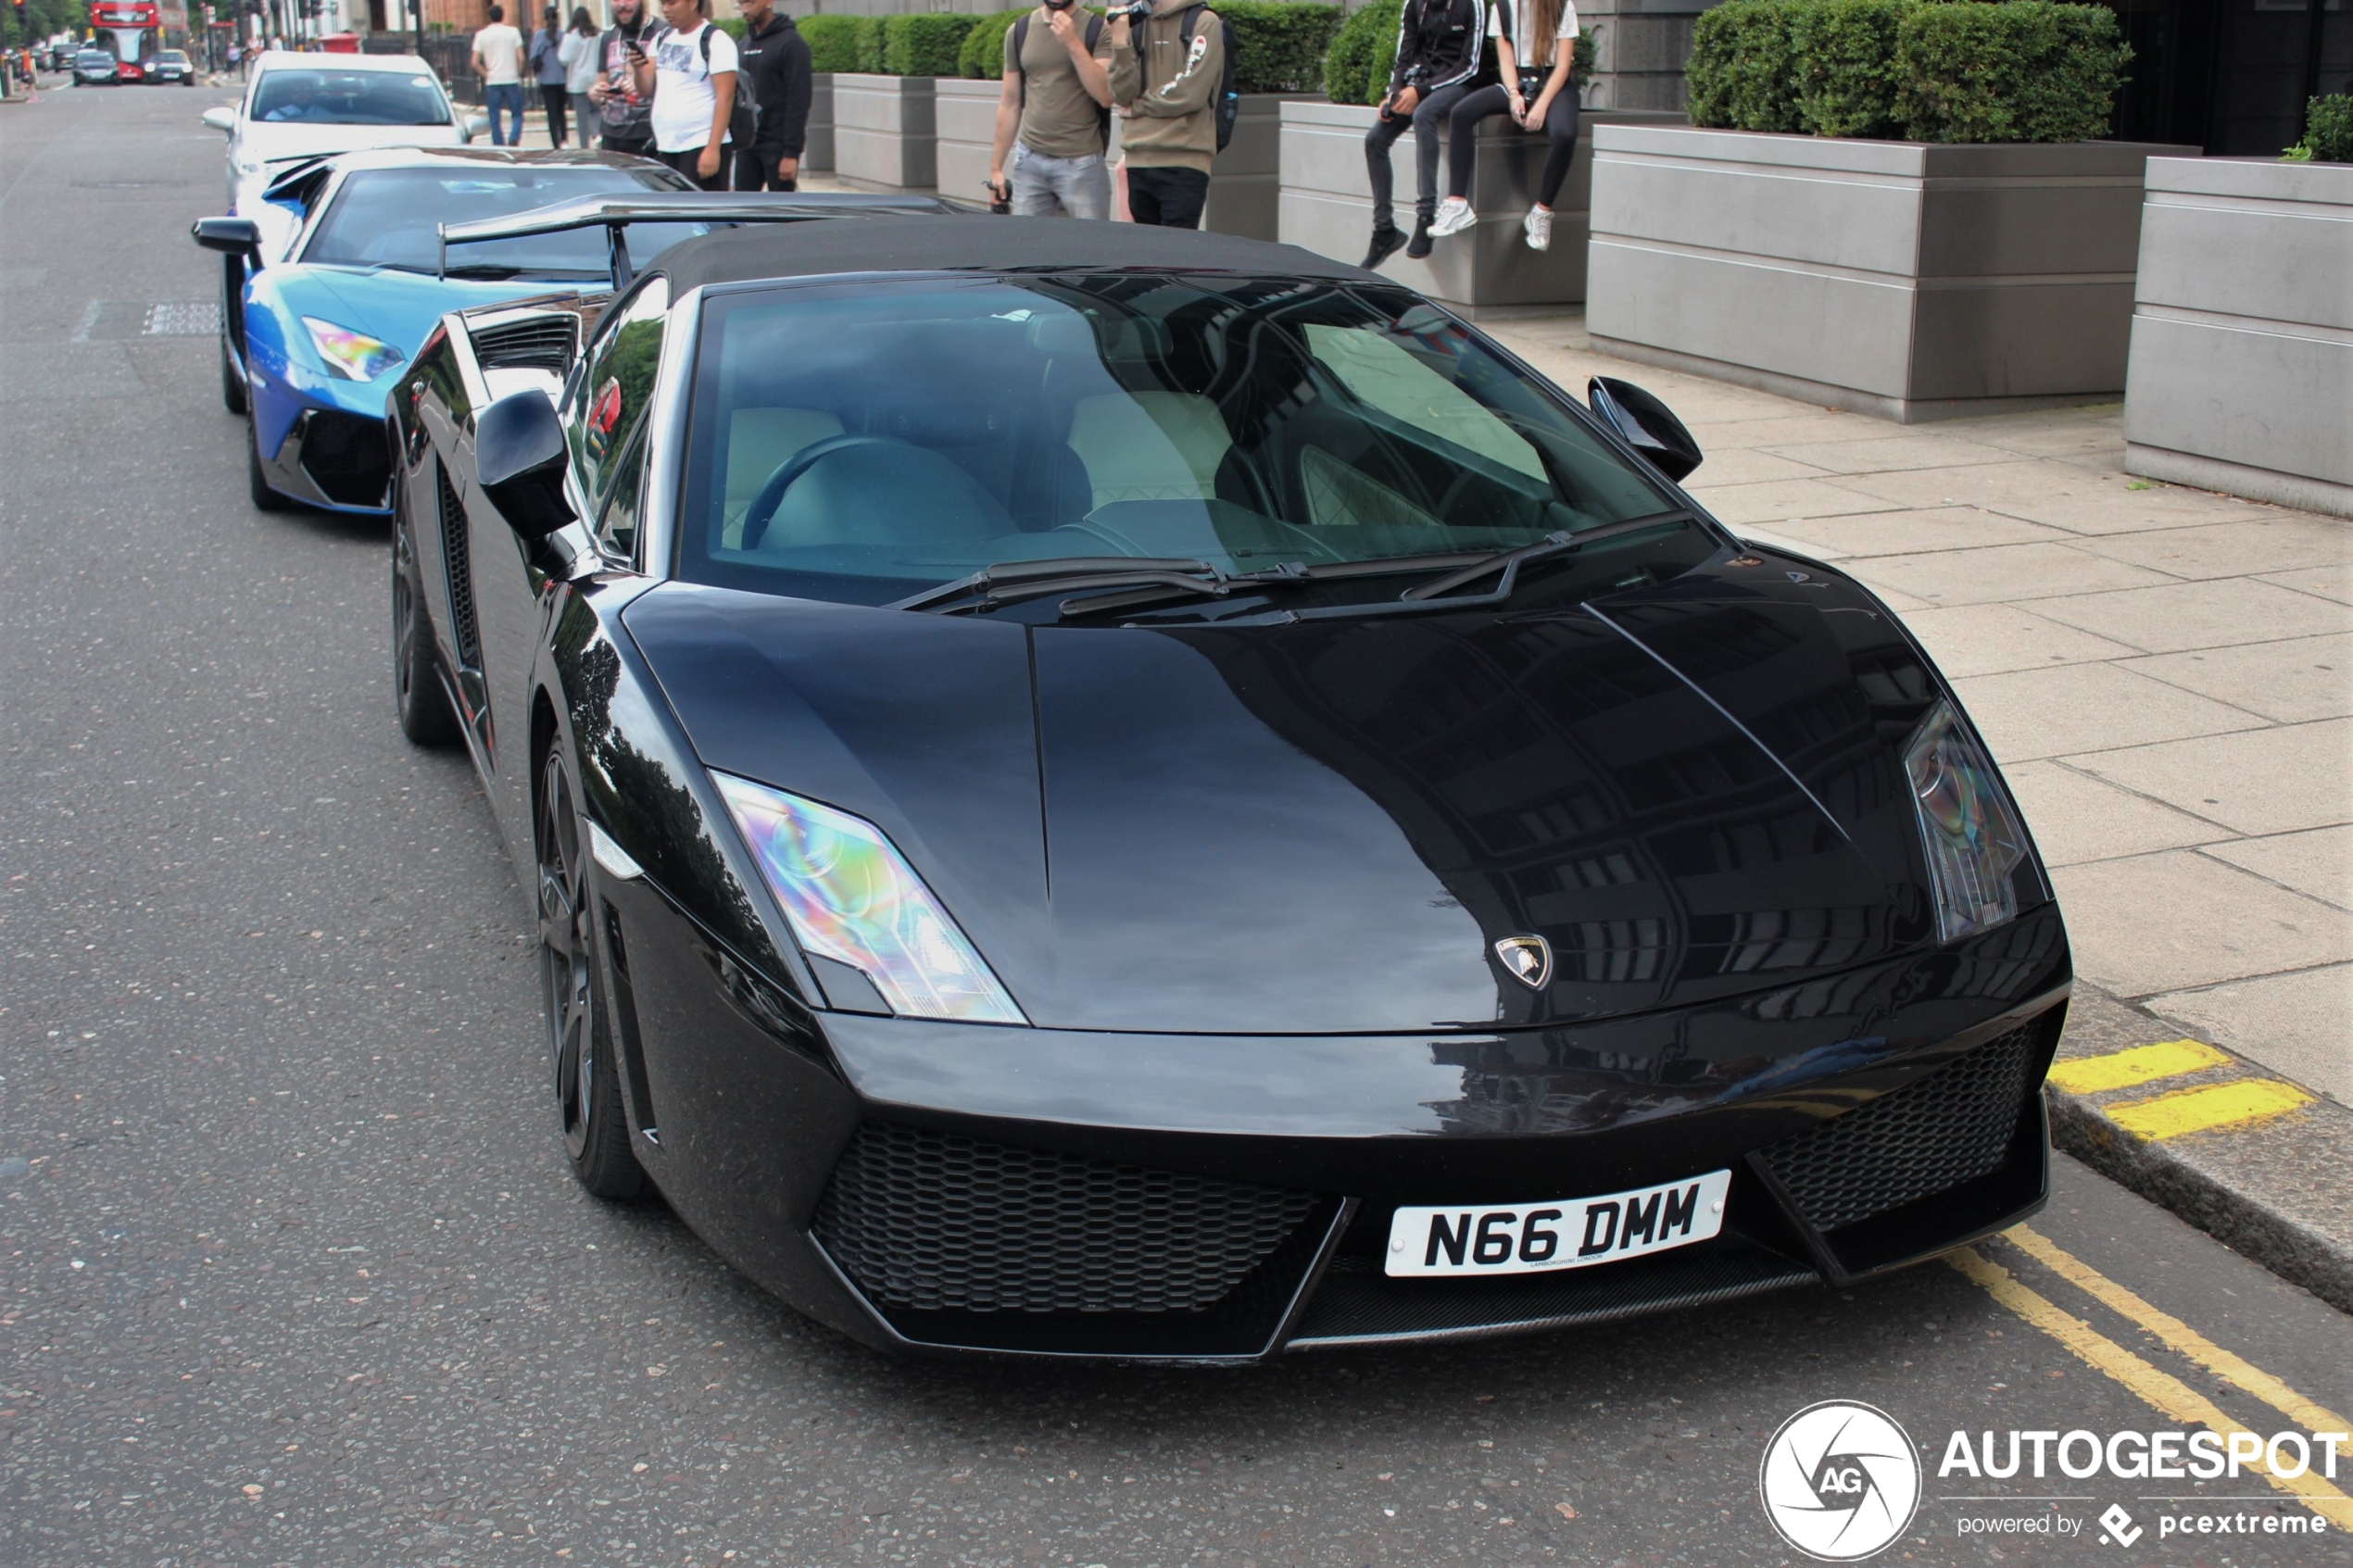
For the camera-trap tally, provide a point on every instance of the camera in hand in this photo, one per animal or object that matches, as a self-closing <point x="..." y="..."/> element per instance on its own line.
<point x="1135" y="11"/>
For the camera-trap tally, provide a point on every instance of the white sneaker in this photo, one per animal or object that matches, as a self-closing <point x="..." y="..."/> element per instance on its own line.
<point x="1454" y="215"/>
<point x="1538" y="227"/>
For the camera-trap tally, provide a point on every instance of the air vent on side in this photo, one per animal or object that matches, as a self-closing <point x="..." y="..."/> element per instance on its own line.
<point x="458" y="557"/>
<point x="537" y="343"/>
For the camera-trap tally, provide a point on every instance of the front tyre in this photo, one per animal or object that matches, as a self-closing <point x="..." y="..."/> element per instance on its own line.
<point x="587" y="1088"/>
<point x="425" y="716"/>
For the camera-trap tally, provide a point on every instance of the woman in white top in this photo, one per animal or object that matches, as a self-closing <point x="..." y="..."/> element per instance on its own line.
<point x="1535" y="40"/>
<point x="578" y="53"/>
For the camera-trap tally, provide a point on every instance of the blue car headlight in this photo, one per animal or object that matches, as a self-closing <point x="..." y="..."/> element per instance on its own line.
<point x="353" y="356"/>
<point x="1972" y="834"/>
<point x="852" y="898"/>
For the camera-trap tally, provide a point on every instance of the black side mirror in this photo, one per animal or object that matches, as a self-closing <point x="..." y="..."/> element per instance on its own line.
<point x="236" y="236"/>
<point x="1647" y="425"/>
<point x="519" y="458"/>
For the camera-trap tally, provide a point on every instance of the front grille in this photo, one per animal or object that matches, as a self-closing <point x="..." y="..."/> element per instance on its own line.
<point x="1951" y="1126"/>
<point x="541" y="342"/>
<point x="934" y="1222"/>
<point x="456" y="557"/>
<point x="346" y="457"/>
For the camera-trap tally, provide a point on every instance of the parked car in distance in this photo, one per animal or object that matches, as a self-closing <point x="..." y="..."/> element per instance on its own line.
<point x="95" y="68"/>
<point x="300" y="105"/>
<point x="61" y="56"/>
<point x="170" y="67"/>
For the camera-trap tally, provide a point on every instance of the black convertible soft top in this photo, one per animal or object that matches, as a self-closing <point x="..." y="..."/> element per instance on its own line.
<point x="890" y="243"/>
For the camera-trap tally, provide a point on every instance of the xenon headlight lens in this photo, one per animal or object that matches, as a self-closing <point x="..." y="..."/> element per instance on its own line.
<point x="353" y="356"/>
<point x="852" y="898"/>
<point x="1972" y="834"/>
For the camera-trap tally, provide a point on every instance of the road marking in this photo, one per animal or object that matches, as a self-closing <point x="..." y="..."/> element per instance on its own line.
<point x="2161" y="1391"/>
<point x="2123" y="1070"/>
<point x="2198" y="1111"/>
<point x="2304" y="1413"/>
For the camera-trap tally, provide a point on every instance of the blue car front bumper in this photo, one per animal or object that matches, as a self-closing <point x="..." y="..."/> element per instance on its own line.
<point x="321" y="441"/>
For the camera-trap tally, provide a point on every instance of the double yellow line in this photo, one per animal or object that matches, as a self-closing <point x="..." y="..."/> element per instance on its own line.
<point x="2159" y="1390"/>
<point x="2241" y="1102"/>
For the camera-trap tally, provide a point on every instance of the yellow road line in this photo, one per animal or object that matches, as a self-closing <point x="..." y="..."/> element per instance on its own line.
<point x="2123" y="1070"/>
<point x="2307" y="1413"/>
<point x="2160" y="1391"/>
<point x="2198" y="1110"/>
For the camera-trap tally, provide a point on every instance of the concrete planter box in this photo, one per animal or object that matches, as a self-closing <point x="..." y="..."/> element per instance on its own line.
<point x="817" y="154"/>
<point x="1327" y="206"/>
<point x="886" y="136"/>
<point x="966" y="115"/>
<point x="1902" y="279"/>
<point x="1245" y="182"/>
<point x="2242" y="371"/>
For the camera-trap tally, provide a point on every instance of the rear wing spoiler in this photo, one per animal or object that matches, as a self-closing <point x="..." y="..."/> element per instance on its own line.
<point x="614" y="214"/>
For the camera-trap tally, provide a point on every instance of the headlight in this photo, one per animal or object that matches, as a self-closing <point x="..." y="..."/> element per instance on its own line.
<point x="852" y="898"/>
<point x="1973" y="836"/>
<point x="353" y="356"/>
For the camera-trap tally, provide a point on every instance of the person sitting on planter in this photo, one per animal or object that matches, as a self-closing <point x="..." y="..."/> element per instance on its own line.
<point x="1437" y="57"/>
<point x="1535" y="92"/>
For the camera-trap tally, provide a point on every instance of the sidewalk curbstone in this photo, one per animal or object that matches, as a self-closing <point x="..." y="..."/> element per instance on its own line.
<point x="2255" y="1162"/>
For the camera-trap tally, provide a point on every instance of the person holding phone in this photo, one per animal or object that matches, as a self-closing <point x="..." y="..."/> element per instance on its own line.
<point x="688" y="69"/>
<point x="623" y="112"/>
<point x="1535" y="46"/>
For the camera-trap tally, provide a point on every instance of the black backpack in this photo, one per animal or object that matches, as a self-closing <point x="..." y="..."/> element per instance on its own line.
<point x="1094" y="36"/>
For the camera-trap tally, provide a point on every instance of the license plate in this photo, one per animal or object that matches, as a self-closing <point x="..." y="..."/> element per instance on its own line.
<point x="1569" y="1233"/>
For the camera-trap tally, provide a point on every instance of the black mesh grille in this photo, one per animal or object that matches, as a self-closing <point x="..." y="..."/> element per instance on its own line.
<point x="458" y="557"/>
<point x="1950" y="1128"/>
<point x="346" y="457"/>
<point x="544" y="342"/>
<point x="931" y="1222"/>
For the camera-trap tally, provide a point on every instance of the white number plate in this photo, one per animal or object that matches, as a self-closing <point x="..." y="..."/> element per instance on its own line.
<point x="1527" y="1238"/>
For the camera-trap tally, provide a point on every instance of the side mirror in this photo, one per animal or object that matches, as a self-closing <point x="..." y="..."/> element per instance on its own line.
<point x="235" y="236"/>
<point x="1646" y="424"/>
<point x="221" y="119"/>
<point x="519" y="458"/>
<point x="473" y="125"/>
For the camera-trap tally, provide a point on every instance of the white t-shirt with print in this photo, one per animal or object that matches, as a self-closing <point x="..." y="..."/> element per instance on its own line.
<point x="500" y="47"/>
<point x="684" y="97"/>
<point x="1524" y="23"/>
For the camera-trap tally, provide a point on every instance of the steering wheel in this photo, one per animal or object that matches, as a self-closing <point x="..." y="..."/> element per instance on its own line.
<point x="770" y="494"/>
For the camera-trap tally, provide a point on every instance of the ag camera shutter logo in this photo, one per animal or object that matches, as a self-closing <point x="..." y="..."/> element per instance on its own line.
<point x="1840" y="1481"/>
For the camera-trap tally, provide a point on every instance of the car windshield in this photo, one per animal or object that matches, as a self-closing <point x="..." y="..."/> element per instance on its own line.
<point x="171" y="57"/>
<point x="349" y="97"/>
<point x="392" y="218"/>
<point x="859" y="443"/>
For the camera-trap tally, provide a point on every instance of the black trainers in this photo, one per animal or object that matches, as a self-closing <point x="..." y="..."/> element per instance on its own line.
<point x="1386" y="239"/>
<point x="1419" y="247"/>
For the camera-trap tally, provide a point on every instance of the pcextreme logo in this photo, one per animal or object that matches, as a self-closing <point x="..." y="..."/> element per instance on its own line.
<point x="1840" y="1481"/>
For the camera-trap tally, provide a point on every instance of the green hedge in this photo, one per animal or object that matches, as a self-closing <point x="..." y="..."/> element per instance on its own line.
<point x="924" y="43"/>
<point x="982" y="54"/>
<point x="1280" y="44"/>
<point x="1357" y="62"/>
<point x="1926" y="70"/>
<point x="734" y="27"/>
<point x="2328" y="131"/>
<point x="833" y="42"/>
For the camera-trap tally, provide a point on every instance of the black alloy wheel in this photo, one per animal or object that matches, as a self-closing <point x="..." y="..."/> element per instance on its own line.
<point x="423" y="705"/>
<point x="264" y="498"/>
<point x="587" y="1089"/>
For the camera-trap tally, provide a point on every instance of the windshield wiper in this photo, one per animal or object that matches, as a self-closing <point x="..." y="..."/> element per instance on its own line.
<point x="1508" y="562"/>
<point x="1009" y="580"/>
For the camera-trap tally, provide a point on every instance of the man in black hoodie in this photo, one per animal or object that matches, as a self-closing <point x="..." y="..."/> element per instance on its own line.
<point x="775" y="72"/>
<point x="1438" y="58"/>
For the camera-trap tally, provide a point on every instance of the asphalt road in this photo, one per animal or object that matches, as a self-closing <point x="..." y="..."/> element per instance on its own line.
<point x="291" y="1269"/>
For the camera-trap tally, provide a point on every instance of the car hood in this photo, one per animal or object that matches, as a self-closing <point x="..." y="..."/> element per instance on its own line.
<point x="1325" y="826"/>
<point x="400" y="309"/>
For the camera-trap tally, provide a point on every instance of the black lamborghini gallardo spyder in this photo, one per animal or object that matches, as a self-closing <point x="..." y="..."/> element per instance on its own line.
<point x="1103" y="791"/>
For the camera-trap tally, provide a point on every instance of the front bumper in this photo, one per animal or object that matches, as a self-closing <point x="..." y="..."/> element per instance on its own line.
<point x="334" y="460"/>
<point x="953" y="1189"/>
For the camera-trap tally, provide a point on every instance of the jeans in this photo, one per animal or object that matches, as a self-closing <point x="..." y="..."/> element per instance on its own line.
<point x="1076" y="187"/>
<point x="551" y="98"/>
<point x="1560" y="127"/>
<point x="1429" y="114"/>
<point x="583" y="118"/>
<point x="502" y="99"/>
<point x="1170" y="197"/>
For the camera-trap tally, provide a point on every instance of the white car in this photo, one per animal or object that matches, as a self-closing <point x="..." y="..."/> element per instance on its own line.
<point x="302" y="106"/>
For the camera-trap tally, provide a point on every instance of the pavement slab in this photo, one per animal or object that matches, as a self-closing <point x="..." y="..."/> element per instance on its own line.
<point x="2077" y="818"/>
<point x="1989" y="639"/>
<point x="2176" y="918"/>
<point x="2068" y="708"/>
<point x="2170" y="617"/>
<point x="2295" y="681"/>
<point x="2257" y="781"/>
<point x="2318" y="863"/>
<point x="2004" y="574"/>
<point x="2284" y="1022"/>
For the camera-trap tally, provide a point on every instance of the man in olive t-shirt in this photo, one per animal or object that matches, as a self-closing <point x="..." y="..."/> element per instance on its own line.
<point x="1060" y="62"/>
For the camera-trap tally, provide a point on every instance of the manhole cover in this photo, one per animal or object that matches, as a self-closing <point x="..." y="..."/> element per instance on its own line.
<point x="184" y="318"/>
<point x="115" y="321"/>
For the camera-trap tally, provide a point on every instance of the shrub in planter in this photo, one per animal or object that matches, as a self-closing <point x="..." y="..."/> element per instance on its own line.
<point x="1356" y="64"/>
<point x="981" y="56"/>
<point x="734" y="27"/>
<point x="923" y="44"/>
<point x="1280" y="44"/>
<point x="1845" y="58"/>
<point x="2328" y="132"/>
<point x="866" y="37"/>
<point x="1742" y="75"/>
<point x="833" y="42"/>
<point x="2028" y="70"/>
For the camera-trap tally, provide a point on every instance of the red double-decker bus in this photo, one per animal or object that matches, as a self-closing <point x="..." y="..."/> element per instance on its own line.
<point x="132" y="30"/>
